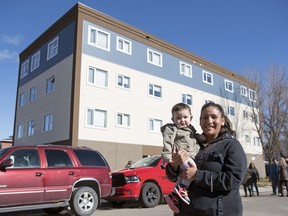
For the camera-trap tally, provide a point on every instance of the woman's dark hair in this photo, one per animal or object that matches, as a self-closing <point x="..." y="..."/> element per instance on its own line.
<point x="227" y="127"/>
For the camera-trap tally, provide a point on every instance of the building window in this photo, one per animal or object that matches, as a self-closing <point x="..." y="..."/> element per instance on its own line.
<point x="24" y="69"/>
<point x="52" y="48"/>
<point x="247" y="138"/>
<point x="185" y="69"/>
<point x="256" y="141"/>
<point x="32" y="94"/>
<point x="155" y="90"/>
<point x="50" y="84"/>
<point x="19" y="131"/>
<point x="96" y="118"/>
<point x="154" y="57"/>
<point x="231" y="110"/>
<point x="124" y="45"/>
<point x="123" y="81"/>
<point x="22" y="99"/>
<point x="229" y="86"/>
<point x="245" y="114"/>
<point x="35" y="61"/>
<point x="123" y="119"/>
<point x="252" y="95"/>
<point x="243" y="91"/>
<point x="30" y="128"/>
<point x="99" y="38"/>
<point x="187" y="99"/>
<point x="207" y="77"/>
<point x="98" y="77"/>
<point x="48" y="122"/>
<point x="155" y="125"/>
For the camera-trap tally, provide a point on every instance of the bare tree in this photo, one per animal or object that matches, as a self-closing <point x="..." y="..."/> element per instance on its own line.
<point x="270" y="107"/>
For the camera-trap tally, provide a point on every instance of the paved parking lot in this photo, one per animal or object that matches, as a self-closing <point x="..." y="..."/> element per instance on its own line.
<point x="264" y="205"/>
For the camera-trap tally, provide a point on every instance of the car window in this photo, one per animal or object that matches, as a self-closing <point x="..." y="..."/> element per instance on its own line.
<point x="57" y="158"/>
<point x="3" y="151"/>
<point x="147" y="162"/>
<point x="25" y="158"/>
<point x="90" y="158"/>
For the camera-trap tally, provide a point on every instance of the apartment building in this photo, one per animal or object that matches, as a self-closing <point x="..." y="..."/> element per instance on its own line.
<point x="91" y="80"/>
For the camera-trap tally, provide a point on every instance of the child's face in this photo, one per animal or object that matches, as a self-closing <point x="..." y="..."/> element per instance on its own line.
<point x="182" y="117"/>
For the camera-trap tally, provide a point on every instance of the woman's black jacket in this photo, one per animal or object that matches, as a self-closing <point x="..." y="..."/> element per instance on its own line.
<point x="221" y="169"/>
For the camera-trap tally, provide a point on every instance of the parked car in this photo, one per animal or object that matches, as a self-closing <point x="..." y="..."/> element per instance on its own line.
<point x="144" y="181"/>
<point x="53" y="177"/>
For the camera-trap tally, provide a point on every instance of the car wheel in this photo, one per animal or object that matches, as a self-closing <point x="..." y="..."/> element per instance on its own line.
<point x="84" y="201"/>
<point x="117" y="204"/>
<point x="53" y="211"/>
<point x="150" y="195"/>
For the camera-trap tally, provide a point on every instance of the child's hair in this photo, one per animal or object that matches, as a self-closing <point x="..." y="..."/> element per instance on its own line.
<point x="180" y="106"/>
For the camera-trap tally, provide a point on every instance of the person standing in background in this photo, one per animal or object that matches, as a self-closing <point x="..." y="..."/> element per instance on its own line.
<point x="273" y="175"/>
<point x="255" y="177"/>
<point x="283" y="176"/>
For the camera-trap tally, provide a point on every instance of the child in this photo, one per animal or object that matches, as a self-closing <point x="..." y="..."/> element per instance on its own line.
<point x="179" y="135"/>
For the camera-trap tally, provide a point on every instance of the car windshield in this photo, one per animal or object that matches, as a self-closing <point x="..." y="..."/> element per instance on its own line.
<point x="3" y="151"/>
<point x="146" y="162"/>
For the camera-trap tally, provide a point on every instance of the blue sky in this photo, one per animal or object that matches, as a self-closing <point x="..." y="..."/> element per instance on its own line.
<point x="236" y="34"/>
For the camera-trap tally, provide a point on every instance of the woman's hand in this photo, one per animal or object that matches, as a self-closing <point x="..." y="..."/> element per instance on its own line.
<point x="190" y="173"/>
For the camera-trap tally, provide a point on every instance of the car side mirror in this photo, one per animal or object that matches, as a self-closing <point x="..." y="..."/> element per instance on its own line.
<point x="163" y="165"/>
<point x="6" y="163"/>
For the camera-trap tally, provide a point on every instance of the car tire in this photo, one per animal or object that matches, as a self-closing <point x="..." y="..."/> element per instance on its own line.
<point x="84" y="201"/>
<point x="150" y="195"/>
<point x="53" y="211"/>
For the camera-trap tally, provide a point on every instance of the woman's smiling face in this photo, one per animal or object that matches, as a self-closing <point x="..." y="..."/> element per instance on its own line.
<point x="211" y="121"/>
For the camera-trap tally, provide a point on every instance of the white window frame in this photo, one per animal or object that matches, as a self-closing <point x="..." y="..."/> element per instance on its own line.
<point x="153" y="90"/>
<point x="187" y="99"/>
<point x="35" y="61"/>
<point x="256" y="141"/>
<point x="154" y="125"/>
<point x="52" y="48"/>
<point x="30" y="127"/>
<point x="123" y="119"/>
<point x="48" y="122"/>
<point x="33" y="94"/>
<point x="243" y="91"/>
<point x="95" y="40"/>
<point x="123" y="45"/>
<point x="207" y="77"/>
<point x="20" y="131"/>
<point x="153" y="56"/>
<point x="91" y="120"/>
<point x="229" y="86"/>
<point x="50" y="84"/>
<point x="123" y="81"/>
<point x="247" y="138"/>
<point x="185" y="69"/>
<point x="24" y="69"/>
<point x="22" y="99"/>
<point x="99" y="77"/>
<point x="252" y="95"/>
<point x="231" y="111"/>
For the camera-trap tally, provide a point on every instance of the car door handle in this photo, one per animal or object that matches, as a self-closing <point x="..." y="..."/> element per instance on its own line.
<point x="39" y="174"/>
<point x="71" y="173"/>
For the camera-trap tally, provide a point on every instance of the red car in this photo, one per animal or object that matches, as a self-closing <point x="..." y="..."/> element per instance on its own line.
<point x="145" y="181"/>
<point x="53" y="177"/>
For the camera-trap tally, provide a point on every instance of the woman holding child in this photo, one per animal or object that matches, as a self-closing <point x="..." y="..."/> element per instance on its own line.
<point x="220" y="168"/>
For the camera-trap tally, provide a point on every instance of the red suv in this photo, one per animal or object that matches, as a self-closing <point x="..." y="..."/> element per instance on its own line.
<point x="53" y="177"/>
<point x="145" y="181"/>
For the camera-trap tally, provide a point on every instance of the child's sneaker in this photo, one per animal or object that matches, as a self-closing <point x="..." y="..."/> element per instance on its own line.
<point x="173" y="202"/>
<point x="182" y="193"/>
